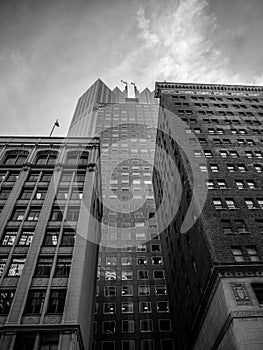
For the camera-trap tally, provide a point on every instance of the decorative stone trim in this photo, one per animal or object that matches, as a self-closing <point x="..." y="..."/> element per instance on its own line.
<point x="240" y="294"/>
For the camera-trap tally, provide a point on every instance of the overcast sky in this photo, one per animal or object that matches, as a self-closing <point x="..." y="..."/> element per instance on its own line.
<point x="51" y="51"/>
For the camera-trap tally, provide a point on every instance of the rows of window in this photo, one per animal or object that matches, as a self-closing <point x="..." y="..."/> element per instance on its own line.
<point x="225" y="141"/>
<point x="112" y="274"/>
<point x="231" y="167"/>
<point x="145" y="344"/>
<point x="221" y="131"/>
<point x="229" y="153"/>
<point x="140" y="260"/>
<point x="18" y="157"/>
<point x="127" y="307"/>
<point x="240" y="184"/>
<point x="128" y="326"/>
<point x="128" y="290"/>
<point x="229" y="203"/>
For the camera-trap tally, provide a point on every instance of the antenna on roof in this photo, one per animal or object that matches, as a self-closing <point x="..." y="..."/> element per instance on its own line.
<point x="56" y="123"/>
<point x="126" y="85"/>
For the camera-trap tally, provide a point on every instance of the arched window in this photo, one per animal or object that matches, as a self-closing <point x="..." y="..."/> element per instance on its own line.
<point x="46" y="158"/>
<point x="15" y="157"/>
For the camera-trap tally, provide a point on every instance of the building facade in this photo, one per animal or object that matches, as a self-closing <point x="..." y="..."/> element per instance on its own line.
<point x="48" y="257"/>
<point x="214" y="268"/>
<point x="132" y="307"/>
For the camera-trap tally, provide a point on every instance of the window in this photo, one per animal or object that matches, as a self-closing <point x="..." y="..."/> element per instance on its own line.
<point x="143" y="275"/>
<point x="62" y="193"/>
<point x="4" y="193"/>
<point x="49" y="341"/>
<point x="56" y="214"/>
<point x="109" y="308"/>
<point x="25" y="341"/>
<point x="167" y="344"/>
<point x="127" y="308"/>
<point x="218" y="203"/>
<point x="146" y="325"/>
<point x="35" y="302"/>
<point x="51" y="238"/>
<point x="111" y="261"/>
<point x="46" y="177"/>
<point x="241" y="227"/>
<point x="41" y="193"/>
<point x="26" y="193"/>
<point x="12" y="177"/>
<point x="252" y="253"/>
<point x="258" y="154"/>
<point x="160" y="290"/>
<point x="222" y="184"/>
<point x="68" y="238"/>
<point x="126" y="275"/>
<point x="230" y="203"/>
<point x="251" y="184"/>
<point x="240" y="184"/>
<point x="6" y="298"/>
<point x="18" y="214"/>
<point x="227" y="229"/>
<point x="110" y="291"/>
<point x="127" y="290"/>
<point x="241" y="168"/>
<point x="144" y="290"/>
<point x="260" y="203"/>
<point x="73" y="213"/>
<point x="33" y="214"/>
<point x="258" y="168"/>
<point x="210" y="184"/>
<point x="33" y="176"/>
<point x="155" y="248"/>
<point x="141" y="248"/>
<point x="159" y="274"/>
<point x="233" y="154"/>
<point x="15" y="158"/>
<point x="147" y="344"/>
<point x="127" y="326"/>
<point x="223" y="154"/>
<point x="128" y="345"/>
<point x="44" y="266"/>
<point x="16" y="267"/>
<point x="110" y="275"/>
<point x="142" y="260"/>
<point x="250" y="203"/>
<point x="249" y="154"/>
<point x="108" y="345"/>
<point x="214" y="168"/>
<point x="108" y="327"/>
<point x="237" y="253"/>
<point x="162" y="306"/>
<point x="2" y="265"/>
<point x="208" y="154"/>
<point x="77" y="193"/>
<point x="56" y="301"/>
<point x="157" y="260"/>
<point x="164" y="325"/>
<point x="126" y="261"/>
<point x="46" y="158"/>
<point x="26" y="238"/>
<point x="258" y="290"/>
<point x="203" y="168"/>
<point x="145" y="307"/>
<point x="9" y="238"/>
<point x="63" y="266"/>
<point x="230" y="168"/>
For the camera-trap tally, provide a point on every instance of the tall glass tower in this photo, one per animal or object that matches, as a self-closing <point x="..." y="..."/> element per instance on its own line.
<point x="132" y="310"/>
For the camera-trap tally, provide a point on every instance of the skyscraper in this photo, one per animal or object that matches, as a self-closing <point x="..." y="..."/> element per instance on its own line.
<point x="48" y="258"/>
<point x="214" y="253"/>
<point x="132" y="309"/>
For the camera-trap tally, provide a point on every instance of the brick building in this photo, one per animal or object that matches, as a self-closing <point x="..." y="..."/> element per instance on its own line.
<point x="48" y="253"/>
<point x="214" y="268"/>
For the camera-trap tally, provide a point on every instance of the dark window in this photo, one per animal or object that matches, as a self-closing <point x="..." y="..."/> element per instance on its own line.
<point x="43" y="267"/>
<point x="16" y="267"/>
<point x="258" y="290"/>
<point x="41" y="193"/>
<point x="167" y="344"/>
<point x="12" y="177"/>
<point x="18" y="214"/>
<point x="73" y="213"/>
<point x="49" y="341"/>
<point x="46" y="177"/>
<point x="66" y="177"/>
<point x="6" y="298"/>
<point x="33" y="214"/>
<point x="46" y="158"/>
<point x="57" y="301"/>
<point x="68" y="238"/>
<point x="25" y="341"/>
<point x="165" y="326"/>
<point x="56" y="214"/>
<point x="15" y="158"/>
<point x="4" y="193"/>
<point x="35" y="302"/>
<point x="51" y="238"/>
<point x="26" y="193"/>
<point x="33" y="176"/>
<point x="108" y="327"/>
<point x="63" y="266"/>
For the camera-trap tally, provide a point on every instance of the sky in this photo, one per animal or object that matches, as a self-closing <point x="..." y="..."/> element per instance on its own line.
<point x="52" y="51"/>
